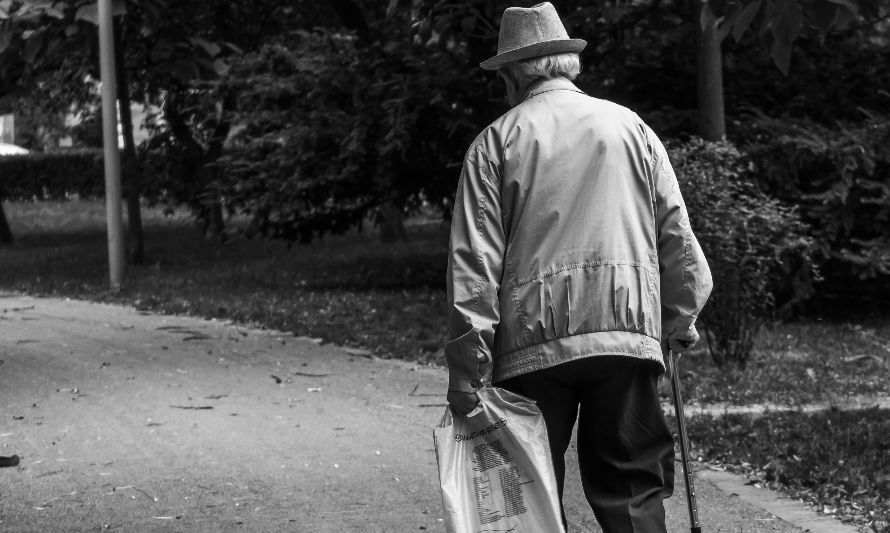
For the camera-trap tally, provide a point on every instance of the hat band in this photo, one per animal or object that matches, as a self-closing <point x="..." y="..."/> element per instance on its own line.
<point x="541" y="48"/>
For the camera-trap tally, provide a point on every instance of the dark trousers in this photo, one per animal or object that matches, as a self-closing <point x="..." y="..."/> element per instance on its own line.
<point x="625" y="449"/>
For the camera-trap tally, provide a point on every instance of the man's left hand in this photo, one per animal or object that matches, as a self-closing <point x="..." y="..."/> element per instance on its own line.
<point x="462" y="402"/>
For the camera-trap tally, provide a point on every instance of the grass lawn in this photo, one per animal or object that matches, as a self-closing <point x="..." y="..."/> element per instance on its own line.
<point x="837" y="461"/>
<point x="798" y="363"/>
<point x="390" y="299"/>
<point x="349" y="289"/>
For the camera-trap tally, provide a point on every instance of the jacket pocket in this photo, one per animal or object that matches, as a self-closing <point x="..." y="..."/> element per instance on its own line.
<point x="602" y="295"/>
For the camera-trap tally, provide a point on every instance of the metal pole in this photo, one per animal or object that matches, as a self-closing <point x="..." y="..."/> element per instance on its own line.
<point x="684" y="444"/>
<point x="114" y="214"/>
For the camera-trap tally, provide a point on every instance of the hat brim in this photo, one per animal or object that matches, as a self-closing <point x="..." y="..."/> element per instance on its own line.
<point x="545" y="48"/>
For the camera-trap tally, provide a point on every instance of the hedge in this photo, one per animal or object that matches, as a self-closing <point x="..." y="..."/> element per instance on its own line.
<point x="50" y="175"/>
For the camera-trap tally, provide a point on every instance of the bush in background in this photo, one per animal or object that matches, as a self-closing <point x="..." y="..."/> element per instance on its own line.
<point x="839" y="177"/>
<point x="78" y="172"/>
<point x="52" y="175"/>
<point x="329" y="131"/>
<point x="753" y="243"/>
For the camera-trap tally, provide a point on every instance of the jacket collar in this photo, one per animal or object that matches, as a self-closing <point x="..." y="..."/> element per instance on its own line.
<point x="553" y="84"/>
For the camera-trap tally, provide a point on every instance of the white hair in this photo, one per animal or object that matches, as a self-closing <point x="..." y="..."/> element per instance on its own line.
<point x="566" y="65"/>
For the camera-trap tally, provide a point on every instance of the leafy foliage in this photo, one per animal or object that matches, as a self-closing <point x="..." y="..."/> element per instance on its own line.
<point x="840" y="178"/>
<point x="753" y="244"/>
<point x="778" y="23"/>
<point x="298" y="161"/>
<point x="330" y="129"/>
<point x="834" y="79"/>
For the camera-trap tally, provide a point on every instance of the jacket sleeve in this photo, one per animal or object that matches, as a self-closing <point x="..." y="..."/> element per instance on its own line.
<point x="475" y="266"/>
<point x="685" y="276"/>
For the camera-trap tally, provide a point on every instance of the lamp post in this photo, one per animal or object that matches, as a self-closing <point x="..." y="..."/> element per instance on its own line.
<point x="114" y="214"/>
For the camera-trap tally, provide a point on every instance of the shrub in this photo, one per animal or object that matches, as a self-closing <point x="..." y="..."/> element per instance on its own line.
<point x="330" y="130"/>
<point x="297" y="161"/>
<point x="49" y="175"/>
<point x="840" y="178"/>
<point x="753" y="244"/>
<point x="171" y="173"/>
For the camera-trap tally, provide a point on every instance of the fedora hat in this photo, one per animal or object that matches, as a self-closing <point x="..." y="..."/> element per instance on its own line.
<point x="531" y="32"/>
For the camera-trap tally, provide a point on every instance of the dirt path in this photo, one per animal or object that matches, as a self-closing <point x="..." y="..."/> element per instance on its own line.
<point x="134" y="422"/>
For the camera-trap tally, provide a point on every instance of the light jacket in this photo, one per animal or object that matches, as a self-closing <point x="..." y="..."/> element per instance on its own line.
<point x="569" y="239"/>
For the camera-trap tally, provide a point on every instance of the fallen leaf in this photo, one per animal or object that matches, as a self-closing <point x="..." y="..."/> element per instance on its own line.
<point x="812" y="374"/>
<point x="313" y="340"/>
<point x="415" y="393"/>
<point x="358" y="351"/>
<point x="856" y="358"/>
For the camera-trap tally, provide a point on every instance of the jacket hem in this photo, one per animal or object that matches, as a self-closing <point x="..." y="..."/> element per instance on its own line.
<point x="552" y="353"/>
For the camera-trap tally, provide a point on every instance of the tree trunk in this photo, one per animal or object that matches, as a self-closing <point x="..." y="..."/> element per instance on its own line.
<point x="131" y="170"/>
<point x="392" y="223"/>
<point x="210" y="218"/>
<point x="215" y="223"/>
<point x="5" y="232"/>
<point x="709" y="74"/>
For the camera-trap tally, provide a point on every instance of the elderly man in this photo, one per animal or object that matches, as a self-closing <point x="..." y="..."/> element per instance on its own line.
<point x="572" y="265"/>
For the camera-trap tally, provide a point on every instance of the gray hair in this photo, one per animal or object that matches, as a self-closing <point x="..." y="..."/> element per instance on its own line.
<point x="566" y="65"/>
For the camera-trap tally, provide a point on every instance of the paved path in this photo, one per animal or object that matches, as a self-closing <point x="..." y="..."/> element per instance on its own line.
<point x="133" y="422"/>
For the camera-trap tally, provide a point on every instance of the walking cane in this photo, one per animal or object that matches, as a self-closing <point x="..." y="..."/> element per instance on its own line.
<point x="684" y="443"/>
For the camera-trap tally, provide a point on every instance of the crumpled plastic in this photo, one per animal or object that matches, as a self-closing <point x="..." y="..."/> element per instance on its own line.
<point x="495" y="469"/>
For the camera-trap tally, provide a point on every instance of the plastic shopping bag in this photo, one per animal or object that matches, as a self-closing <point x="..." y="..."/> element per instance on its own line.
<point x="495" y="468"/>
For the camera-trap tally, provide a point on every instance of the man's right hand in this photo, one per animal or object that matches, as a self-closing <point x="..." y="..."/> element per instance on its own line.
<point x="462" y="402"/>
<point x="683" y="342"/>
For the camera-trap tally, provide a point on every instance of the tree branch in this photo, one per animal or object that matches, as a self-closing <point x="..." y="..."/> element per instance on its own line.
<point x="178" y="126"/>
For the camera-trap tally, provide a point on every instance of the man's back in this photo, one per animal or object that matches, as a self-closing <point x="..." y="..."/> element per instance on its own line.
<point x="576" y="181"/>
<point x="578" y="212"/>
